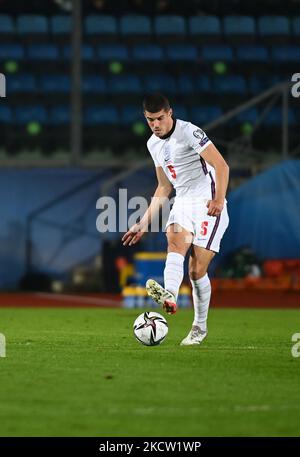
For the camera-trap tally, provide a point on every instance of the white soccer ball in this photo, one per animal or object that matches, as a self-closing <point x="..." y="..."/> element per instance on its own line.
<point x="150" y="328"/>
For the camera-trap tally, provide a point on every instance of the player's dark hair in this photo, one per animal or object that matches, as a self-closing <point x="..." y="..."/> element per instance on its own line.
<point x="156" y="102"/>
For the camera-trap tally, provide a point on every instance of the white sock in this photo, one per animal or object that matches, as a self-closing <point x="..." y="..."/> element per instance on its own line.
<point x="201" y="299"/>
<point x="173" y="272"/>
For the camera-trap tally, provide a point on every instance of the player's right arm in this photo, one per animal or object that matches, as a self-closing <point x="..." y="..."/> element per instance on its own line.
<point x="162" y="192"/>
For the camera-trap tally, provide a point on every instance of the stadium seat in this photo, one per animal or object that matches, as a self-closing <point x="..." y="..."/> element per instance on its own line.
<point x="135" y="28"/>
<point x="11" y="52"/>
<point x="160" y="82"/>
<point x="231" y="84"/>
<point x="274" y="29"/>
<point x="101" y="29"/>
<point x="6" y="114"/>
<point x="25" y="114"/>
<point x="147" y="52"/>
<point x="94" y="84"/>
<point x="258" y="84"/>
<point x="60" y="27"/>
<point x="296" y="29"/>
<point x="252" y="53"/>
<point x="274" y="117"/>
<point x="250" y="115"/>
<point x="201" y="115"/>
<point x="21" y="83"/>
<point x="109" y="52"/>
<point x="185" y="84"/>
<point x="7" y="28"/>
<point x="87" y="52"/>
<point x="169" y="29"/>
<point x="239" y="29"/>
<point x="286" y="54"/>
<point x="32" y="27"/>
<point x="179" y="55"/>
<point x="125" y="88"/>
<point x="130" y="114"/>
<point x="217" y="53"/>
<point x="204" y="29"/>
<point x="203" y="84"/>
<point x="103" y="115"/>
<point x="43" y="52"/>
<point x="55" y="83"/>
<point x="182" y="52"/>
<point x="180" y="112"/>
<point x="60" y="114"/>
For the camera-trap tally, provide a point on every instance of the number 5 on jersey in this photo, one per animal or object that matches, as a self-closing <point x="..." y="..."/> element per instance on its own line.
<point x="172" y="171"/>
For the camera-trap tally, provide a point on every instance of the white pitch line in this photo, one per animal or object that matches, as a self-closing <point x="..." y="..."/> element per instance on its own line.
<point x="81" y="299"/>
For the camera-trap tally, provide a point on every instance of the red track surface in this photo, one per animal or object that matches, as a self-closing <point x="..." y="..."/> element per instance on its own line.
<point x="233" y="299"/>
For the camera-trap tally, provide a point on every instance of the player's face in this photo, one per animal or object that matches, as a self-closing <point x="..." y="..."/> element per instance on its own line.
<point x="161" y="122"/>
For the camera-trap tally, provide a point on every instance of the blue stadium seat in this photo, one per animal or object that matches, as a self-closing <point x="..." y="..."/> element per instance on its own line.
<point x="274" y="117"/>
<point x="43" y="52"/>
<point x="296" y="28"/>
<point x="94" y="84"/>
<point x="135" y="25"/>
<point x="274" y="29"/>
<point x="103" y="26"/>
<point x="286" y="54"/>
<point x="55" y="83"/>
<point x="201" y="115"/>
<point x="203" y="84"/>
<point x="25" y="114"/>
<point x="61" y="24"/>
<point x="60" y="114"/>
<point x="7" y="25"/>
<point x="6" y="114"/>
<point x="261" y="83"/>
<point x="239" y="29"/>
<point x="185" y="84"/>
<point x="103" y="114"/>
<point x="180" y="112"/>
<point x="124" y="84"/>
<point x="11" y="52"/>
<point x="217" y="52"/>
<point x="252" y="53"/>
<point x="21" y="83"/>
<point x="169" y="28"/>
<point x="113" y="52"/>
<point x="182" y="52"/>
<point x="147" y="52"/>
<point x="32" y="24"/>
<point x="230" y="84"/>
<point x="160" y="82"/>
<point x="204" y="29"/>
<point x="87" y="52"/>
<point x="130" y="114"/>
<point x="250" y="115"/>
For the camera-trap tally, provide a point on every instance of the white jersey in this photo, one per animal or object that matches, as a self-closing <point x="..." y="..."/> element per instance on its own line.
<point x="180" y="157"/>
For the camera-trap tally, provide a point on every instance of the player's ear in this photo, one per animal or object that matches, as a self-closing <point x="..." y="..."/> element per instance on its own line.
<point x="171" y="112"/>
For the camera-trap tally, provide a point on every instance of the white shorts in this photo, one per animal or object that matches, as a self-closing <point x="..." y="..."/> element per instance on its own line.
<point x="191" y="214"/>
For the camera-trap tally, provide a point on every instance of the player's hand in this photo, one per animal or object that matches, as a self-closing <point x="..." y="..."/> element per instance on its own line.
<point x="133" y="235"/>
<point x="214" y="207"/>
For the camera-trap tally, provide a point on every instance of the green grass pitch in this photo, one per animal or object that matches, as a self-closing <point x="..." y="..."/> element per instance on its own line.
<point x="80" y="372"/>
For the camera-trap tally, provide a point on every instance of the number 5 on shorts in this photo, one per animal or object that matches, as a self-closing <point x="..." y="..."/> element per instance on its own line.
<point x="204" y="228"/>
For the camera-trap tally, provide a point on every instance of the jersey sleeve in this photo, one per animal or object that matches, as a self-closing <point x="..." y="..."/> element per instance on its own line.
<point x="196" y="138"/>
<point x="152" y="153"/>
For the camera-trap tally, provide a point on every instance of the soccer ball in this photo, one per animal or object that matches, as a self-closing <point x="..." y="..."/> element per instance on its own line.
<point x="150" y="328"/>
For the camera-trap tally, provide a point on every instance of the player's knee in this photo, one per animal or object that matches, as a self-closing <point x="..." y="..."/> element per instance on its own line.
<point x="197" y="271"/>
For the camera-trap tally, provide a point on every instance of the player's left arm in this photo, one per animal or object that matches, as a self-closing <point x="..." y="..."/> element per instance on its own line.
<point x="213" y="157"/>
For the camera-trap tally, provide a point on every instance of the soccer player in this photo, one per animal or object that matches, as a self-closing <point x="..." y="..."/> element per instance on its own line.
<point x="186" y="159"/>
